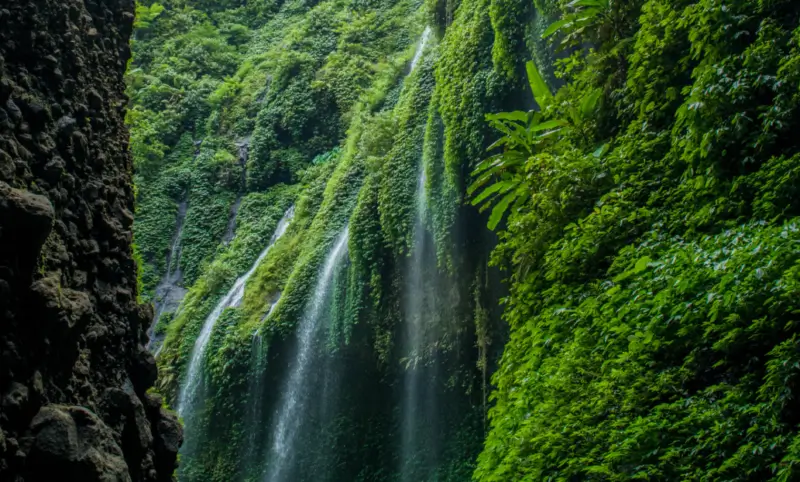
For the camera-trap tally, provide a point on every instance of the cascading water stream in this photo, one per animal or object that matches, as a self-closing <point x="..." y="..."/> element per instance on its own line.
<point x="255" y="389"/>
<point x="233" y="298"/>
<point x="230" y="232"/>
<point x="426" y="36"/>
<point x="169" y="293"/>
<point x="244" y="154"/>
<point x="294" y="395"/>
<point x="418" y="421"/>
<point x="418" y="401"/>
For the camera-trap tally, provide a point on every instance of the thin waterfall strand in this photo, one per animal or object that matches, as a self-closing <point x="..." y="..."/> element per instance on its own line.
<point x="426" y="36"/>
<point x="291" y="405"/>
<point x="415" y="336"/>
<point x="169" y="292"/>
<point x="232" y="299"/>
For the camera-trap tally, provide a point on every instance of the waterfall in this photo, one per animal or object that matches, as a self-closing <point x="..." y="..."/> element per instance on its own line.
<point x="233" y="298"/>
<point x="169" y="293"/>
<point x="255" y="406"/>
<point x="419" y="401"/>
<point x="426" y="36"/>
<point x="419" y="422"/>
<point x="244" y="154"/>
<point x="175" y="249"/>
<point x="292" y="405"/>
<point x="272" y="307"/>
<point x="230" y="232"/>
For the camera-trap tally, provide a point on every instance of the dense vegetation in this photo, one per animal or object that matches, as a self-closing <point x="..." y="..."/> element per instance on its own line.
<point x="653" y="246"/>
<point x="640" y="175"/>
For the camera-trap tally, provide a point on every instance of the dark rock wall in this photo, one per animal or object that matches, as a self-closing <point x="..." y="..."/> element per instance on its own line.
<point x="73" y="371"/>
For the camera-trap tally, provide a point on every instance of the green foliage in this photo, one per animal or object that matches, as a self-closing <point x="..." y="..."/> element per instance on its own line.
<point x="146" y="14"/>
<point x="599" y="21"/>
<point x="653" y="263"/>
<point x="519" y="169"/>
<point x="585" y="15"/>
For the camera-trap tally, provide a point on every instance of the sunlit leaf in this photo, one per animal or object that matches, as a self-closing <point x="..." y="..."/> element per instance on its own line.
<point x="541" y="92"/>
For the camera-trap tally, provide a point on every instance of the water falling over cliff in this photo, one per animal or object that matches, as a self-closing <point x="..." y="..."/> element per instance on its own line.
<point x="419" y="403"/>
<point x="297" y="390"/>
<point x="192" y="381"/>
<point x="426" y="36"/>
<point x="169" y="292"/>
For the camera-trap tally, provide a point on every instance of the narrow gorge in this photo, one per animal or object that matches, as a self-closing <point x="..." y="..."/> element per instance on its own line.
<point x="399" y="240"/>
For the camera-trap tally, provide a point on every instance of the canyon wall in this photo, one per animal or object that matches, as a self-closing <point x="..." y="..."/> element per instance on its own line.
<point x="74" y="376"/>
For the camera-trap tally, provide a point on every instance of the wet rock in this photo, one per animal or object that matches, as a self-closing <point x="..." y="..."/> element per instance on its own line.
<point x="15" y="399"/>
<point x="37" y="385"/>
<point x="168" y="434"/>
<point x="13" y="111"/>
<point x="63" y="308"/>
<point x="7" y="167"/>
<point x="126" y="414"/>
<point x="74" y="443"/>
<point x="32" y="217"/>
<point x="66" y="125"/>
<point x="168" y="440"/>
<point x="54" y="169"/>
<point x="34" y="113"/>
<point x="95" y="100"/>
<point x="144" y="371"/>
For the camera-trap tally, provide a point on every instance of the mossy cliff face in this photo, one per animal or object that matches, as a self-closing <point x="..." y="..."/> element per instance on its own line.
<point x="74" y="375"/>
<point x="643" y="185"/>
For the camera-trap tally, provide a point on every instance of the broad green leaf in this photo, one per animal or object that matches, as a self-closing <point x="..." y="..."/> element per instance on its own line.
<point x="642" y="263"/>
<point x="551" y="132"/>
<point x="575" y="115"/>
<point x="502" y="127"/>
<point x="541" y="92"/>
<point x="602" y="150"/>
<point x="552" y="124"/>
<point x="498" y="187"/>
<point x="480" y="182"/>
<point x="486" y="164"/>
<point x="498" y="143"/>
<point x="588" y="3"/>
<point x="555" y="27"/>
<point x="510" y="116"/>
<point x="589" y="102"/>
<point x="500" y="209"/>
<point x="490" y="174"/>
<point x="523" y="194"/>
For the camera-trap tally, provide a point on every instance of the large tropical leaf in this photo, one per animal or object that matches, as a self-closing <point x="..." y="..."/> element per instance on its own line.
<point x="556" y="26"/>
<point x="588" y="3"/>
<point x="541" y="92"/>
<point x="590" y="101"/>
<point x="500" y="210"/>
<point x="518" y="116"/>
<point x="491" y="174"/>
<point x="551" y="124"/>
<point x="496" y="188"/>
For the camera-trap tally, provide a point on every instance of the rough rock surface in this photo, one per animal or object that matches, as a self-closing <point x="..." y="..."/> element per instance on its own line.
<point x="73" y="370"/>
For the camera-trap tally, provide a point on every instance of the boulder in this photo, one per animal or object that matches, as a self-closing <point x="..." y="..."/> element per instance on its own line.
<point x="74" y="445"/>
<point x="28" y="219"/>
